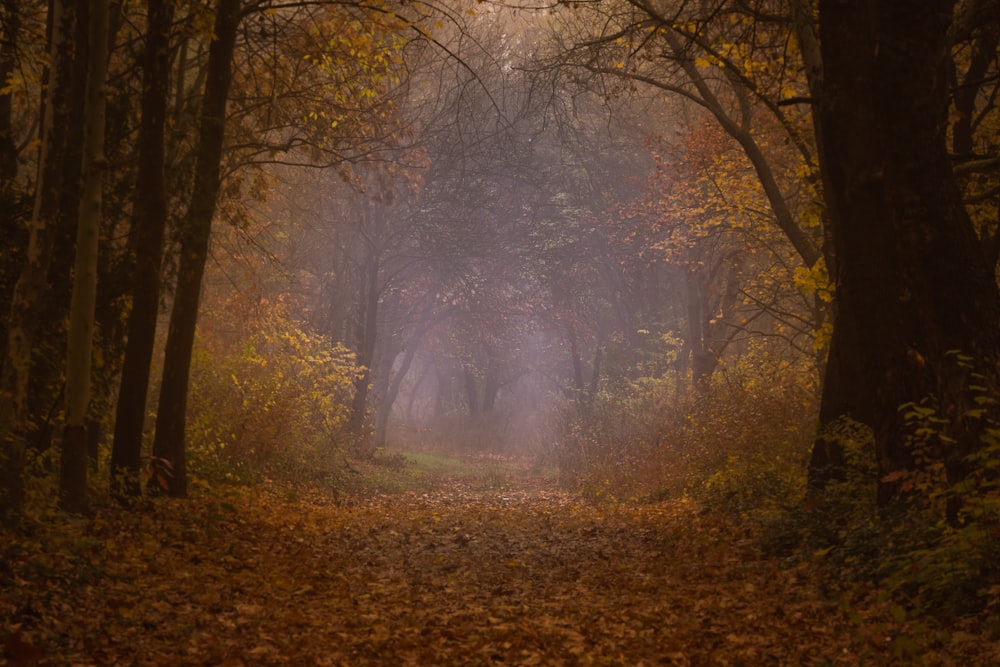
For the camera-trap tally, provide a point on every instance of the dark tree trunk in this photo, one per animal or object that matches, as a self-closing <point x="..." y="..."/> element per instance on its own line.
<point x="169" y="443"/>
<point x="574" y="350"/>
<point x="912" y="283"/>
<point x="27" y="301"/>
<point x="149" y="223"/>
<point x="74" y="461"/>
<point x="491" y="387"/>
<point x="595" y="374"/>
<point x="13" y="205"/>
<point x="10" y="21"/>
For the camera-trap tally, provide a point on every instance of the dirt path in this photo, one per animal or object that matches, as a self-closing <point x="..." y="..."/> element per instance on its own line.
<point x="455" y="577"/>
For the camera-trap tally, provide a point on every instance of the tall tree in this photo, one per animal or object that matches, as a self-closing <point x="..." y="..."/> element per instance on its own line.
<point x="73" y="462"/>
<point x="914" y="289"/>
<point x="150" y="221"/>
<point x="27" y="300"/>
<point x="169" y="443"/>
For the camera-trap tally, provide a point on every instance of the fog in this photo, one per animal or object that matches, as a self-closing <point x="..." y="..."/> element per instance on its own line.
<point x="517" y="243"/>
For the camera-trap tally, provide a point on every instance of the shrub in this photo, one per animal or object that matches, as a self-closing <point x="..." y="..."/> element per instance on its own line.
<point x="942" y="553"/>
<point x="739" y="443"/>
<point x="275" y="400"/>
<point x="936" y="548"/>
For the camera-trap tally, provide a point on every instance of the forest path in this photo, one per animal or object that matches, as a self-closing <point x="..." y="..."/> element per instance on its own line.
<point x="457" y="576"/>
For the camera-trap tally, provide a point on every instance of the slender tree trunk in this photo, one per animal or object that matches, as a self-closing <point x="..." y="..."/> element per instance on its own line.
<point x="596" y="370"/>
<point x="913" y="286"/>
<point x="149" y="220"/>
<point x="367" y="339"/>
<point x="574" y="351"/>
<point x="491" y="387"/>
<point x="24" y="317"/>
<point x="12" y="205"/>
<point x="471" y="390"/>
<point x="73" y="462"/>
<point x="392" y="392"/>
<point x="10" y="22"/>
<point x="169" y="447"/>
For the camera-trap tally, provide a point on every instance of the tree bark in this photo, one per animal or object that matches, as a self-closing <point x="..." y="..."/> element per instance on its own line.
<point x="25" y="309"/>
<point x="10" y="20"/>
<point x="169" y="446"/>
<point x="913" y="286"/>
<point x="73" y="462"/>
<point x="149" y="220"/>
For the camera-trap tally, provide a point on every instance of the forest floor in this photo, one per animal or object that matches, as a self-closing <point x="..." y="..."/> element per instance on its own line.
<point x="488" y="570"/>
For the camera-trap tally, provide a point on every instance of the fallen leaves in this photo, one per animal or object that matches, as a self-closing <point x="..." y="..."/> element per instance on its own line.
<point x="456" y="577"/>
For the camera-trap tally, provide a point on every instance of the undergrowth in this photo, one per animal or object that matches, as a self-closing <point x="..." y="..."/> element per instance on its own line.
<point x="738" y="444"/>
<point x="742" y="449"/>
<point x="274" y="402"/>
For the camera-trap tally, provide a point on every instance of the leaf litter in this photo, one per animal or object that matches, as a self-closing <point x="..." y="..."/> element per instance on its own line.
<point x="457" y="576"/>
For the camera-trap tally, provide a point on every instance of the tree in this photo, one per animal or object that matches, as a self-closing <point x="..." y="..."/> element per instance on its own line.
<point x="73" y="462"/>
<point x="917" y="302"/>
<point x="731" y="65"/>
<point x="26" y="302"/>
<point x="149" y="222"/>
<point x="168" y="446"/>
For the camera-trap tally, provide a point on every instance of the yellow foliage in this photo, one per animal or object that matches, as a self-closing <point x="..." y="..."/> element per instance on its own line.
<point x="815" y="280"/>
<point x="279" y="396"/>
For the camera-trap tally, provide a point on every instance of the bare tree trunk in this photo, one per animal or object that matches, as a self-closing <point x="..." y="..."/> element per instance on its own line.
<point x="73" y="462"/>
<point x="471" y="390"/>
<point x="169" y="448"/>
<point x="149" y="220"/>
<point x="12" y="204"/>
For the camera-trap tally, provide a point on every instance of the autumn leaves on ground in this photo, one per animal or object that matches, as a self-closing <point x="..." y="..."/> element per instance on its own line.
<point x="484" y="566"/>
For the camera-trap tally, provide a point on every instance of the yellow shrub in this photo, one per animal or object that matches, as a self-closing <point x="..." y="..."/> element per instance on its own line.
<point x="275" y="399"/>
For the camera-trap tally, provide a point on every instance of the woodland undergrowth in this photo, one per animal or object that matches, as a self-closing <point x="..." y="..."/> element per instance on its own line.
<point x="680" y="540"/>
<point x="490" y="565"/>
<point x="741" y="448"/>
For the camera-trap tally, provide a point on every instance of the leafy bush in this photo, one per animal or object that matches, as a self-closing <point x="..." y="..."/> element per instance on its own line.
<point x="276" y="399"/>
<point x="740" y="443"/>
<point x="936" y="548"/>
<point x="752" y="443"/>
<point x="943" y="552"/>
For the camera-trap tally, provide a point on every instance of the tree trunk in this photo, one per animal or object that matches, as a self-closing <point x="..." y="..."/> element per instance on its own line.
<point x="471" y="390"/>
<point x="10" y="21"/>
<point x="169" y="444"/>
<point x="574" y="350"/>
<point x="149" y="220"/>
<point x="367" y="338"/>
<point x="424" y="325"/>
<point x="73" y="462"/>
<point x="25" y="308"/>
<point x="13" y="204"/>
<point x="912" y="283"/>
